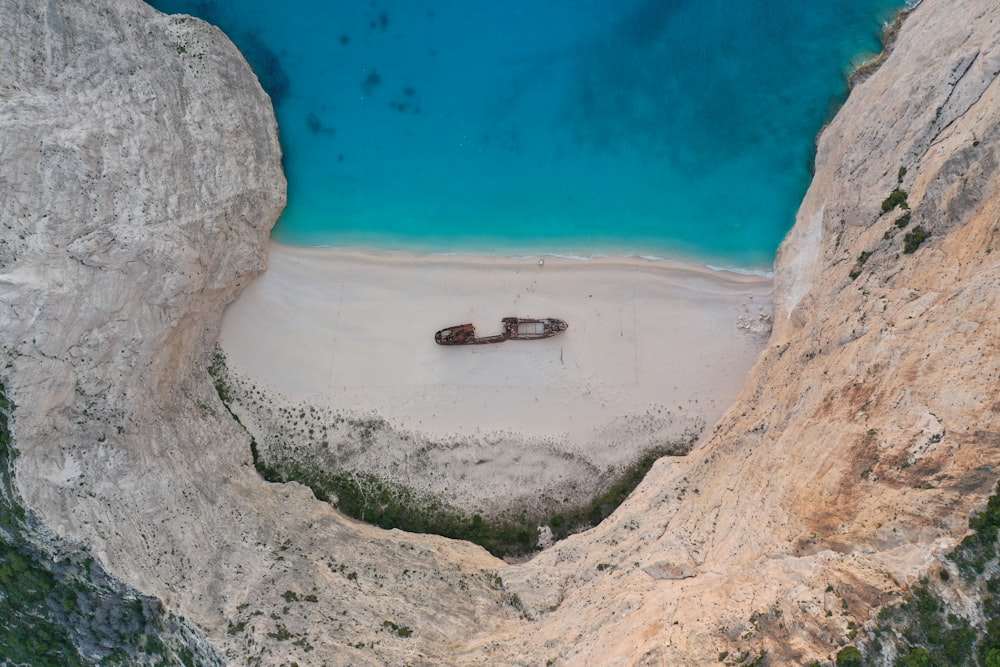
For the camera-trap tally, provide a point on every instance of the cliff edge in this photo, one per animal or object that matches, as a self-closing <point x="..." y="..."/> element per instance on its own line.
<point x="868" y="431"/>
<point x="141" y="176"/>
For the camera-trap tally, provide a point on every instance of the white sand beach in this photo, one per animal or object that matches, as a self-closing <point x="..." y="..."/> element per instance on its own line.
<point x="356" y="330"/>
<point x="655" y="350"/>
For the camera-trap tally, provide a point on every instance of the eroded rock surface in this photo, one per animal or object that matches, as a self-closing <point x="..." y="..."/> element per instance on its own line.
<point x="868" y="431"/>
<point x="141" y="174"/>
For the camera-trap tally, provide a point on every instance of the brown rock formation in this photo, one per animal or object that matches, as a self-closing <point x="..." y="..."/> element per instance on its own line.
<point x="868" y="431"/>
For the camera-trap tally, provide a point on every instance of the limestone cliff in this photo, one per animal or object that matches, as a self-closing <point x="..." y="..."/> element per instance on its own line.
<point x="868" y="431"/>
<point x="141" y="174"/>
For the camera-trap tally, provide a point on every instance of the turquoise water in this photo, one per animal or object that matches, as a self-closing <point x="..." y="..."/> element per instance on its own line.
<point x="578" y="127"/>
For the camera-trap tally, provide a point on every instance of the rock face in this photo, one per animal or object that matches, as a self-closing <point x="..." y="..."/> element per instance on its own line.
<point x="141" y="174"/>
<point x="868" y="431"/>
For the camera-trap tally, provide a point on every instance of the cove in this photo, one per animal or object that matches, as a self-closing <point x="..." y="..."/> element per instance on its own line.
<point x="668" y="128"/>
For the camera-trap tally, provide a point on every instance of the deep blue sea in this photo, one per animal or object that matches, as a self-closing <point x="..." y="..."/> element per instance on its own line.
<point x="576" y="127"/>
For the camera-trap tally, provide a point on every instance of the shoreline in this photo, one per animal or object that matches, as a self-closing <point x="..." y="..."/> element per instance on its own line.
<point x="386" y="247"/>
<point x="627" y="315"/>
<point x="608" y="256"/>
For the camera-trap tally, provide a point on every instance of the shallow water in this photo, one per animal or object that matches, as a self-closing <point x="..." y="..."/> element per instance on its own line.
<point x="578" y="127"/>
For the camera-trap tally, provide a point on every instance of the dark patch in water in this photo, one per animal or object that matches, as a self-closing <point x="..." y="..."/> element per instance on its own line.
<point x="345" y="40"/>
<point x="371" y="82"/>
<point x="407" y="103"/>
<point x="404" y="106"/>
<point x="380" y="22"/>
<point x="510" y="140"/>
<point x="629" y="88"/>
<point x="316" y="126"/>
<point x="267" y="65"/>
<point x="646" y="25"/>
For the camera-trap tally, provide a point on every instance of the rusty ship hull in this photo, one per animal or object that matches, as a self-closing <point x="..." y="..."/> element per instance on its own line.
<point x="512" y="328"/>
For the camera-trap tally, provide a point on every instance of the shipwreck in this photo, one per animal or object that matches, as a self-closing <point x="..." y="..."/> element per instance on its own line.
<point x="512" y="328"/>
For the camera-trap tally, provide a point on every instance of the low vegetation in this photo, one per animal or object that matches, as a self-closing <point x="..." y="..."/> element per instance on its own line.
<point x="367" y="498"/>
<point x="850" y="656"/>
<point x="928" y="631"/>
<point x="862" y="258"/>
<point x="896" y="198"/>
<point x="400" y="630"/>
<point x="913" y="239"/>
<point x="374" y="500"/>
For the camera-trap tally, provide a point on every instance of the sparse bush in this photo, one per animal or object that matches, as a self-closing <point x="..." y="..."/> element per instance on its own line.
<point x="918" y="657"/>
<point x="400" y="630"/>
<point x="913" y="239"/>
<point x="218" y="372"/>
<point x="850" y="656"/>
<point x="563" y="525"/>
<point x="862" y="258"/>
<point x="389" y="504"/>
<point x="896" y="198"/>
<point x="925" y="631"/>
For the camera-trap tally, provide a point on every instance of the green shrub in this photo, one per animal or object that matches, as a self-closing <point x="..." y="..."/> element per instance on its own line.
<point x="862" y="258"/>
<point x="373" y="500"/>
<point x="850" y="656"/>
<point x="218" y="372"/>
<point x="918" y="657"/>
<point x="400" y="630"/>
<point x="924" y="631"/>
<point x="913" y="239"/>
<point x="896" y="198"/>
